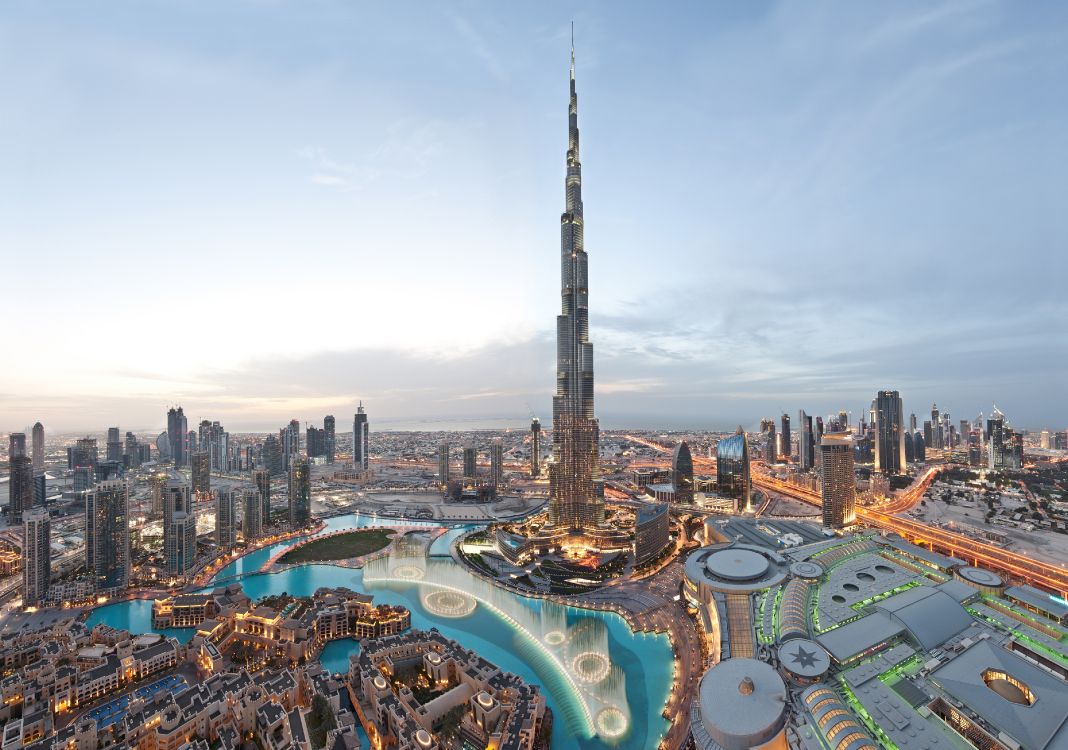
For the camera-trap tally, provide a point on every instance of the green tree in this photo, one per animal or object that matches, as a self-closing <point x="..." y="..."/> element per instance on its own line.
<point x="321" y="720"/>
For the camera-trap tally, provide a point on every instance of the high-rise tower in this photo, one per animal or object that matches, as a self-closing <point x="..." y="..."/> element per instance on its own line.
<point x="107" y="534"/>
<point x="36" y="556"/>
<point x="38" y="446"/>
<point x="535" y="447"/>
<point x="331" y="441"/>
<point x="889" y="433"/>
<point x="574" y="501"/>
<point x="360" y="440"/>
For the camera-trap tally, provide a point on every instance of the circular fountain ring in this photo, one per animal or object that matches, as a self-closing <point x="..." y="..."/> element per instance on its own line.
<point x="611" y="722"/>
<point x="445" y="603"/>
<point x="554" y="638"/>
<point x="408" y="572"/>
<point x="590" y="667"/>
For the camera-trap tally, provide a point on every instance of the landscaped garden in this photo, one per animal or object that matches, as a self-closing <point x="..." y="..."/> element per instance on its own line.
<point x="339" y="546"/>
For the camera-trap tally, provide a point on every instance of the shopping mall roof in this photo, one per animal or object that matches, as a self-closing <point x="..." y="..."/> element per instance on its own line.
<point x="1040" y="600"/>
<point x="973" y="678"/>
<point x="931" y="615"/>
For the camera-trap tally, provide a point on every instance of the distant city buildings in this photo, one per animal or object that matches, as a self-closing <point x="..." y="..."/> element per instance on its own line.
<point x="361" y="460"/>
<point x="838" y="486"/>
<point x="36" y="556"/>
<point x="107" y="534"/>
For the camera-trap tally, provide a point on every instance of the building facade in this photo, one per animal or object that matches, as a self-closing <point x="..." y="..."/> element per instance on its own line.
<point x="299" y="494"/>
<point x="361" y="442"/>
<point x="107" y="534"/>
<point x="838" y="487"/>
<point x="36" y="556"/>
<point x="889" y="433"/>
<point x="732" y="471"/>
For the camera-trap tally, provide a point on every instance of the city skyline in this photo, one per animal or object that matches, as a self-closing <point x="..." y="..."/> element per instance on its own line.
<point x="745" y="293"/>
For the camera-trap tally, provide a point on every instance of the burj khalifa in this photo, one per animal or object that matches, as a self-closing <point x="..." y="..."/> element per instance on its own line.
<point x="576" y="503"/>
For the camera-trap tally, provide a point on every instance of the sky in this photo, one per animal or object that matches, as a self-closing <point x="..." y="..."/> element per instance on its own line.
<point x="266" y="210"/>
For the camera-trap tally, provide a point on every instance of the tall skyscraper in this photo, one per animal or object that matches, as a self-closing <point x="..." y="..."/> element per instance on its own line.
<point x="107" y="534"/>
<point x="470" y="463"/>
<point x="786" y="436"/>
<point x="575" y="502"/>
<point x="38" y="446"/>
<point x="443" y="463"/>
<point x="682" y="473"/>
<point x="912" y="422"/>
<point x="200" y="470"/>
<point x="36" y="556"/>
<point x="838" y="484"/>
<point x="114" y="445"/>
<point x="910" y="450"/>
<point x="262" y="480"/>
<point x="331" y="439"/>
<point x="919" y="447"/>
<point x="889" y="433"/>
<point x="182" y="551"/>
<point x="805" y="442"/>
<point x="289" y="440"/>
<point x="535" y="447"/>
<point x="360" y="440"/>
<point x="191" y="445"/>
<point x="16" y="444"/>
<point x="496" y="464"/>
<point x="83" y="453"/>
<point x="936" y="429"/>
<point x="252" y="523"/>
<point x="225" y="519"/>
<point x="299" y="493"/>
<point x="20" y="482"/>
<point x="771" y="443"/>
<point x="176" y="499"/>
<point x="315" y="442"/>
<point x="176" y="434"/>
<point x="272" y="456"/>
<point x="132" y="451"/>
<point x="733" y="476"/>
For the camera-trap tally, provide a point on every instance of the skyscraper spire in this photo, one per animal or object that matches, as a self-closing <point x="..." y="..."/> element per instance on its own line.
<point x="575" y="502"/>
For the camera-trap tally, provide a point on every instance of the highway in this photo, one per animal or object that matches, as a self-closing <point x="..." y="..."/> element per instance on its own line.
<point x="1043" y="575"/>
<point x="1051" y="578"/>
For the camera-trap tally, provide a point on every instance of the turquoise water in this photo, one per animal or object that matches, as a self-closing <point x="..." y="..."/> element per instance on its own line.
<point x="645" y="659"/>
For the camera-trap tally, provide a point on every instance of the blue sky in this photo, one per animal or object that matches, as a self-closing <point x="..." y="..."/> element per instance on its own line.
<point x="265" y="210"/>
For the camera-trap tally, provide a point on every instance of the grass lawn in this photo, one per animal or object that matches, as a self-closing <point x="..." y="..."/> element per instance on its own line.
<point x="340" y="547"/>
